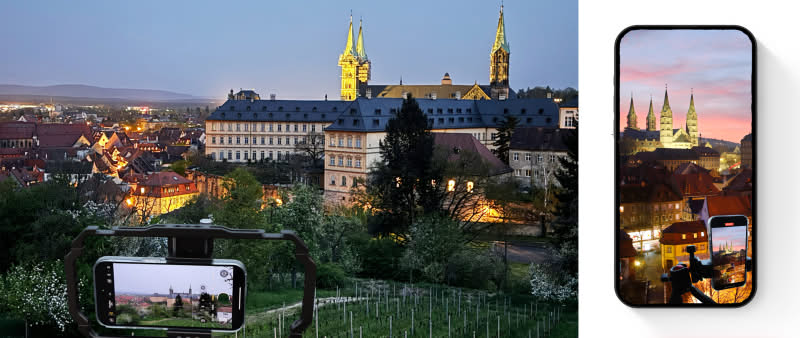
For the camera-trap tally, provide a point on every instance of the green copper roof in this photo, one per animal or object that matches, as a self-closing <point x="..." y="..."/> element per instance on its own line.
<point x="360" y="52"/>
<point x="500" y="39"/>
<point x="348" y="48"/>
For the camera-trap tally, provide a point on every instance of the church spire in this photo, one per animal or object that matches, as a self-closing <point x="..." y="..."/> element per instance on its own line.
<point x="348" y="48"/>
<point x="360" y="51"/>
<point x="632" y="116"/>
<point x="691" y="123"/>
<point x="500" y="37"/>
<point x="666" y="107"/>
<point x="651" y="117"/>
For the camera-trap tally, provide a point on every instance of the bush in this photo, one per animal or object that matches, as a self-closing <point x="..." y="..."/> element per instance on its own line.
<point x="381" y="259"/>
<point x="471" y="268"/>
<point x="330" y="275"/>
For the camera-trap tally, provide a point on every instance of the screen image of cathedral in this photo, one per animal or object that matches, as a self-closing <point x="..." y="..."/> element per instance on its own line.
<point x="190" y="308"/>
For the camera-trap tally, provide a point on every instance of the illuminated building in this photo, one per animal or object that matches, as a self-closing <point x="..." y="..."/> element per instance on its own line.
<point x="534" y="155"/>
<point x="356" y="68"/>
<point x="645" y="209"/>
<point x="633" y="140"/>
<point x="162" y="192"/>
<point x="677" y="236"/>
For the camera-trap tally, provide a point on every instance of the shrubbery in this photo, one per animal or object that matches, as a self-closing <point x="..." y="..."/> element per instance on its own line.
<point x="330" y="275"/>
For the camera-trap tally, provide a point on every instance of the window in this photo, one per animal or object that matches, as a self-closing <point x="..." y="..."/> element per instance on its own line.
<point x="695" y="235"/>
<point x="341" y="161"/>
<point x="358" y="162"/>
<point x="245" y="140"/>
<point x="238" y="155"/>
<point x="279" y="140"/>
<point x="527" y="173"/>
<point x="333" y="160"/>
<point x="305" y="127"/>
<point x="287" y="140"/>
<point x="262" y="140"/>
<point x="238" y="126"/>
<point x="349" y="141"/>
<point x="528" y="157"/>
<point x="270" y="127"/>
<point x="278" y="156"/>
<point x="344" y="181"/>
<point x="349" y="161"/>
<point x="287" y="126"/>
<point x="221" y="154"/>
<point x="341" y="141"/>
<point x="494" y="135"/>
<point x="295" y="128"/>
<point x="255" y="141"/>
<point x="229" y="127"/>
<point x="333" y="179"/>
<point x="262" y="126"/>
<point x="230" y="140"/>
<point x="213" y="140"/>
<point x="230" y="155"/>
<point x="470" y="185"/>
<point x="539" y="158"/>
<point x="313" y="128"/>
<point x="262" y="154"/>
<point x="270" y="140"/>
<point x="669" y="249"/>
<point x="270" y="155"/>
<point x="333" y="141"/>
<point x="245" y="155"/>
<point x="245" y="126"/>
<point x="238" y="139"/>
<point x="702" y="234"/>
<point x="279" y="127"/>
<point x="683" y="236"/>
<point x="358" y="141"/>
<point x="451" y="185"/>
<point x="516" y="156"/>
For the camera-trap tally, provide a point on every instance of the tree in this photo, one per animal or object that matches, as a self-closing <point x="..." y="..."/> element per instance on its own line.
<point x="401" y="181"/>
<point x="566" y="222"/>
<point x="242" y="201"/>
<point x="502" y="141"/>
<point x="178" y="305"/>
<point x="312" y="148"/>
<point x="431" y="242"/>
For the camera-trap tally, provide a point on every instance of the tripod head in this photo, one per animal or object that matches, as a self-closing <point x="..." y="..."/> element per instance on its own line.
<point x="683" y="276"/>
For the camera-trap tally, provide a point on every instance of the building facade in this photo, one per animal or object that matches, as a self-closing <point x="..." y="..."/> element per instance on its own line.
<point x="676" y="237"/>
<point x="534" y="155"/>
<point x="634" y="140"/>
<point x="160" y="193"/>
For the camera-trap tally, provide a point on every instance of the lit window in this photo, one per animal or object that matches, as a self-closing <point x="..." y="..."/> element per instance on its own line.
<point x="142" y="190"/>
<point x="621" y="208"/>
<point x="702" y="234"/>
<point x="683" y="236"/>
<point x="470" y="185"/>
<point x="451" y="185"/>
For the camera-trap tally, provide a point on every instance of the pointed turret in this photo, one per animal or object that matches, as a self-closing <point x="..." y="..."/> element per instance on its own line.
<point x="500" y="37"/>
<point x="348" y="48"/>
<point x="632" y="116"/>
<point x="498" y="62"/>
<point x="691" y="123"/>
<point x="666" y="133"/>
<point x="651" y="117"/>
<point x="360" y="51"/>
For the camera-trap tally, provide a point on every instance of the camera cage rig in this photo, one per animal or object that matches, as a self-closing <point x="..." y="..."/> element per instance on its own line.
<point x="189" y="241"/>
<point x="683" y="277"/>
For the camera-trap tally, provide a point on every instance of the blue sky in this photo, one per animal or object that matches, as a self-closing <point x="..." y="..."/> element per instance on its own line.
<point x="714" y="64"/>
<point x="157" y="278"/>
<point x="285" y="47"/>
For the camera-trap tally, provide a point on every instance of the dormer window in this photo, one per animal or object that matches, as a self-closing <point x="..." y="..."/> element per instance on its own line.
<point x="438" y="110"/>
<point x="458" y="110"/>
<point x="377" y="111"/>
<point x="296" y="108"/>
<point x="352" y="111"/>
<point x="505" y="111"/>
<point x="541" y="111"/>
<point x="523" y="111"/>
<point x="355" y="123"/>
<point x="287" y="118"/>
<point x="341" y="121"/>
<point x="314" y="109"/>
<point x="247" y="108"/>
<point x="376" y="122"/>
<point x="263" y="108"/>
<point x="270" y="115"/>
<point x="231" y="108"/>
<point x="280" y="108"/>
<point x="305" y="116"/>
<point x="335" y="109"/>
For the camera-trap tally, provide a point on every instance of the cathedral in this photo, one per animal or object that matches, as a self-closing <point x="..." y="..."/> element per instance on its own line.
<point x="356" y="68"/>
<point x="661" y="135"/>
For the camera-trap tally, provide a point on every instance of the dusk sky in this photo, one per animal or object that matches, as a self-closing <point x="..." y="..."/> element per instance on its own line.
<point x="737" y="236"/>
<point x="290" y="48"/>
<point x="156" y="278"/>
<point x="716" y="63"/>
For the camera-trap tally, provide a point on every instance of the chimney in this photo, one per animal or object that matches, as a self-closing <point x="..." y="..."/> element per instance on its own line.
<point x="369" y="93"/>
<point x="272" y="97"/>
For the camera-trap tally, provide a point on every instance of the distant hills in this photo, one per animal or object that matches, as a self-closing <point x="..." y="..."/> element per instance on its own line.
<point x="719" y="144"/>
<point x="9" y="91"/>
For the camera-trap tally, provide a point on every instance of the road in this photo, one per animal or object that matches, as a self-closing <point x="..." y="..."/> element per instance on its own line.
<point x="523" y="253"/>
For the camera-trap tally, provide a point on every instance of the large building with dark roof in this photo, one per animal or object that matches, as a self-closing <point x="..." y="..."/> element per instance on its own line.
<point x="534" y="155"/>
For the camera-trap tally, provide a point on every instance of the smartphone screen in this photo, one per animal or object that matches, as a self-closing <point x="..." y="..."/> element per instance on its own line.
<point x="728" y="251"/>
<point x="156" y="294"/>
<point x="685" y="153"/>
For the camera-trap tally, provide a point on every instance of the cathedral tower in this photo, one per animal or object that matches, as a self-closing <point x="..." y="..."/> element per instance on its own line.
<point x="363" y="62"/>
<point x="349" y="64"/>
<point x="651" y="117"/>
<point x="498" y="62"/>
<point x="691" y="123"/>
<point x="632" y="116"/>
<point x="666" y="123"/>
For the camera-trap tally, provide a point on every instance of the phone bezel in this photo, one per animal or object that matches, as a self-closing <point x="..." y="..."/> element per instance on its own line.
<point x="710" y="225"/>
<point x="616" y="113"/>
<point x="239" y="283"/>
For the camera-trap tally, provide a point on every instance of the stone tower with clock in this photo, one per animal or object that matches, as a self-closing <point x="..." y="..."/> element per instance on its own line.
<point x="498" y="62"/>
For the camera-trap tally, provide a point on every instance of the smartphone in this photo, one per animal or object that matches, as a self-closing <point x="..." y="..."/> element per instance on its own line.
<point x="728" y="237"/>
<point x="685" y="156"/>
<point x="135" y="292"/>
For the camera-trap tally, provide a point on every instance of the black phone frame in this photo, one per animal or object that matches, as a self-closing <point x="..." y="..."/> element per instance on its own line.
<point x="239" y="281"/>
<point x="754" y="114"/>
<point x="189" y="241"/>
